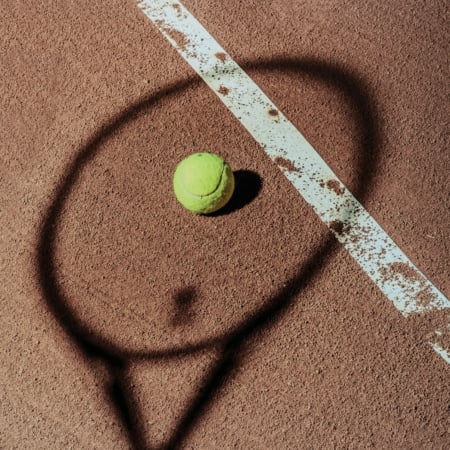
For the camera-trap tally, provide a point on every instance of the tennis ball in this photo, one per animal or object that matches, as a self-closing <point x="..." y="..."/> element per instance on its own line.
<point x="203" y="183"/>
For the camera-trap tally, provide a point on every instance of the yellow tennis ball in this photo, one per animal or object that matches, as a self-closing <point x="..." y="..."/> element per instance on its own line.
<point x="203" y="183"/>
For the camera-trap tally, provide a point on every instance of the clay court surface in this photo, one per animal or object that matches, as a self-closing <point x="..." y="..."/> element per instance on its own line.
<point x="128" y="322"/>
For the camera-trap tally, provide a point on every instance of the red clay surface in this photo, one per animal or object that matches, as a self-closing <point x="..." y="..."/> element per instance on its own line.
<point x="128" y="322"/>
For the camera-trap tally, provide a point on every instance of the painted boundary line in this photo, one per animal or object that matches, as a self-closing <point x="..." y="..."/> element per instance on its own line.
<point x="388" y="267"/>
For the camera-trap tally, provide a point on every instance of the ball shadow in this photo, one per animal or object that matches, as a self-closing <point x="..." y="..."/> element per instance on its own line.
<point x="248" y="185"/>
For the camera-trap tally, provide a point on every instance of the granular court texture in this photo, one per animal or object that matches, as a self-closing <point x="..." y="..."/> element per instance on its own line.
<point x="129" y="322"/>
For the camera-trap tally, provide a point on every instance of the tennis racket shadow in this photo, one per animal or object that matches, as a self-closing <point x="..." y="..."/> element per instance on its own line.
<point x="232" y="346"/>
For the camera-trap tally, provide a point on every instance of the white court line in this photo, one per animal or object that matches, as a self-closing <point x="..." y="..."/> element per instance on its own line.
<point x="388" y="267"/>
<point x="445" y="354"/>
